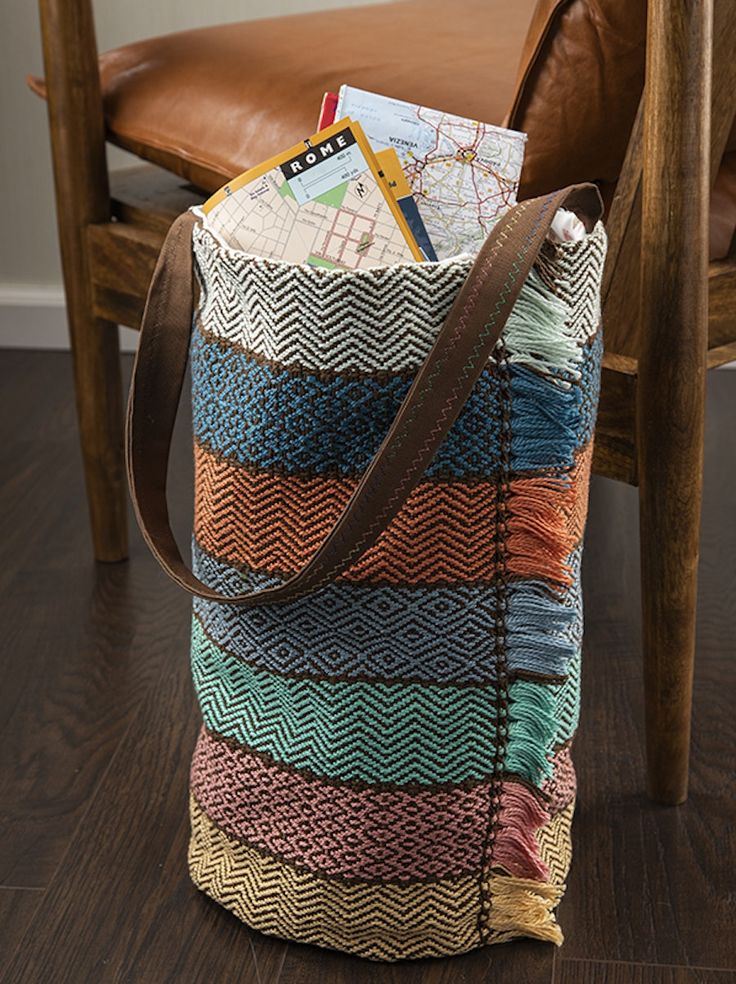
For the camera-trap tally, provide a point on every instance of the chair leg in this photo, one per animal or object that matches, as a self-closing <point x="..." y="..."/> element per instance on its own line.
<point x="98" y="387"/>
<point x="672" y="362"/>
<point x="669" y="531"/>
<point x="77" y="131"/>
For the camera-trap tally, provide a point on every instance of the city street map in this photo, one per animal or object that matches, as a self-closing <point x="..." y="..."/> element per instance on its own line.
<point x="462" y="173"/>
<point x="322" y="202"/>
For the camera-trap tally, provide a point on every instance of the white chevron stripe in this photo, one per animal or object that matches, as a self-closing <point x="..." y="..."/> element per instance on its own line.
<point x="383" y="319"/>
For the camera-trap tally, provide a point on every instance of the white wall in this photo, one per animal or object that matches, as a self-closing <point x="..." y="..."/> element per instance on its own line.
<point x="31" y="297"/>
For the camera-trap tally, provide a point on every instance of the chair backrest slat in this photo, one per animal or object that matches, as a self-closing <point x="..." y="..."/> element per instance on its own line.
<point x="621" y="284"/>
<point x="75" y="101"/>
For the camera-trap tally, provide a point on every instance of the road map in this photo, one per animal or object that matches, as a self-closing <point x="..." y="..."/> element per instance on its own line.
<point x="462" y="173"/>
<point x="321" y="204"/>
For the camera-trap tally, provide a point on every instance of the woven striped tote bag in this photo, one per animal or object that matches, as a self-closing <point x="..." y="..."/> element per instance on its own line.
<point x="391" y="479"/>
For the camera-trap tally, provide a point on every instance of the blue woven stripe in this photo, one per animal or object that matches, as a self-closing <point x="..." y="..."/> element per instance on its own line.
<point x="424" y="634"/>
<point x="589" y="386"/>
<point x="550" y="423"/>
<point x="540" y="629"/>
<point x="269" y="418"/>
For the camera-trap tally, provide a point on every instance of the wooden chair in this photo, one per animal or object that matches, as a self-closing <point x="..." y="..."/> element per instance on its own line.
<point x="668" y="315"/>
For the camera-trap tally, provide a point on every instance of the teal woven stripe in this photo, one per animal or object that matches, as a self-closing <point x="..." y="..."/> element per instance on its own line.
<point x="567" y="701"/>
<point x="368" y="731"/>
<point x="372" y="732"/>
<point x="532" y="728"/>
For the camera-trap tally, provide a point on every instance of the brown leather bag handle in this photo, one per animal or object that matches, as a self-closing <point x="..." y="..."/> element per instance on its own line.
<point x="440" y="389"/>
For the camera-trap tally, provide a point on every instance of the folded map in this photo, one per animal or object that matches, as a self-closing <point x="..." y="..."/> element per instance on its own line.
<point x="322" y="202"/>
<point x="462" y="173"/>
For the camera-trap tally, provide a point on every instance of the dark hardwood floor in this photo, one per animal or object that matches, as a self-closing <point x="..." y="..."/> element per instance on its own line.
<point x="98" y="722"/>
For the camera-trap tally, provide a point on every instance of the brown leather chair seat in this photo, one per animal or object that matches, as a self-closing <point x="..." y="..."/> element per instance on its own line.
<point x="209" y="103"/>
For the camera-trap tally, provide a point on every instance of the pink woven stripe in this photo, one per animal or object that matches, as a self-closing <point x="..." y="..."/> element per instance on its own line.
<point x="362" y="833"/>
<point x="562" y="784"/>
<point x="515" y="847"/>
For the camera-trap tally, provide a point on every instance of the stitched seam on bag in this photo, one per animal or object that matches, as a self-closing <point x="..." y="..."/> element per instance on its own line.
<point x="500" y="654"/>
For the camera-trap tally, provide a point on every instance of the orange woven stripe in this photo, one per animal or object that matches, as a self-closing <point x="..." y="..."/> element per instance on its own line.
<point x="444" y="532"/>
<point x="275" y="523"/>
<point x="546" y="521"/>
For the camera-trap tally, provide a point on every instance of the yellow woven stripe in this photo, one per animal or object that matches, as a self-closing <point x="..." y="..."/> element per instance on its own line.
<point x="379" y="921"/>
<point x="522" y="907"/>
<point x="555" y="843"/>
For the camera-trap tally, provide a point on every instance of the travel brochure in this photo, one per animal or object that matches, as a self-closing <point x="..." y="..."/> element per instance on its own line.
<point x="381" y="182"/>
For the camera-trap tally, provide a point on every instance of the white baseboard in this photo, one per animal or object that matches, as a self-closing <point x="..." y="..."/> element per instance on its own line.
<point x="33" y="316"/>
